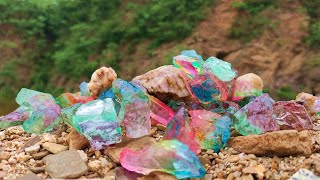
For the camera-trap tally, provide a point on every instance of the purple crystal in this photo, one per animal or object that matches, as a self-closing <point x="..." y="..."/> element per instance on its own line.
<point x="256" y="117"/>
<point x="291" y="115"/>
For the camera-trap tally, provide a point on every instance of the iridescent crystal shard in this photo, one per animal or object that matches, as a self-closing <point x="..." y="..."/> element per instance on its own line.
<point x="212" y="131"/>
<point x="160" y="111"/>
<point x="69" y="99"/>
<point x="256" y="117"/>
<point x="179" y="128"/>
<point x="189" y="61"/>
<point x="291" y="115"/>
<point x="135" y="108"/>
<point x="15" y="118"/>
<point x="219" y="68"/>
<point x="97" y="121"/>
<point x="208" y="88"/>
<point x="170" y="156"/>
<point x="84" y="90"/>
<point x="44" y="113"/>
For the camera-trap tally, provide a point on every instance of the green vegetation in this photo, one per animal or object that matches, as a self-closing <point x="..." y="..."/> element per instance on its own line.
<point x="68" y="40"/>
<point x="286" y="93"/>
<point x="251" y="23"/>
<point x="313" y="9"/>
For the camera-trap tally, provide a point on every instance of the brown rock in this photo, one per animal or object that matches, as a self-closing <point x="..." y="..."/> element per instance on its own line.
<point x="66" y="164"/>
<point x="158" y="176"/>
<point x="31" y="142"/>
<point x="30" y="176"/>
<point x="4" y="155"/>
<point x="54" y="148"/>
<point x="77" y="141"/>
<point x="37" y="169"/>
<point x="204" y="160"/>
<point x="40" y="155"/>
<point x="308" y="101"/>
<point x="247" y="177"/>
<point x="258" y="170"/>
<point x="280" y="143"/>
<point x="134" y="144"/>
<point x="2" y="174"/>
<point x="119" y="173"/>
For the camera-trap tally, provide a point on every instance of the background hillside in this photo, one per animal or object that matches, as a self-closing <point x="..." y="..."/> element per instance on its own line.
<point x="54" y="45"/>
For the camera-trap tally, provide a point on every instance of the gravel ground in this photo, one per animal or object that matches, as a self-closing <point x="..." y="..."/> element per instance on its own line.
<point x="227" y="164"/>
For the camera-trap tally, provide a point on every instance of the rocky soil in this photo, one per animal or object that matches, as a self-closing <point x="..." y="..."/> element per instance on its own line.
<point x="267" y="156"/>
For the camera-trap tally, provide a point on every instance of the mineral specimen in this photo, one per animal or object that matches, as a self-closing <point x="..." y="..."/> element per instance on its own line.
<point x="291" y="115"/>
<point x="256" y="117"/>
<point x="165" y="83"/>
<point x="15" y="118"/>
<point x="101" y="79"/>
<point x="44" y="113"/>
<point x="170" y="156"/>
<point x="247" y="85"/>
<point x="43" y="120"/>
<point x="97" y="121"/>
<point x="310" y="102"/>
<point x="212" y="131"/>
<point x="160" y="111"/>
<point x="219" y="68"/>
<point x="179" y="128"/>
<point x="84" y="90"/>
<point x="135" y="108"/>
<point x="69" y="99"/>
<point x="189" y="61"/>
<point x="304" y="174"/>
<point x="208" y="88"/>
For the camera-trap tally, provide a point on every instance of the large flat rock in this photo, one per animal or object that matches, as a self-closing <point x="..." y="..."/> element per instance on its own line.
<point x="66" y="164"/>
<point x="279" y="143"/>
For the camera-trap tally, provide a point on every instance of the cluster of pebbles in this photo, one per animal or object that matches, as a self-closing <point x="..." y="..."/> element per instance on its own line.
<point x="25" y="155"/>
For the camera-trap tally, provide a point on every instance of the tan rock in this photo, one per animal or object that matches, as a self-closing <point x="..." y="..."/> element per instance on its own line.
<point x="204" y="161"/>
<point x="258" y="170"/>
<point x="32" y="149"/>
<point x="134" y="144"/>
<point x="165" y="82"/>
<point x="40" y="155"/>
<point x="233" y="158"/>
<point x="94" y="165"/>
<point x="250" y="80"/>
<point x="308" y="101"/>
<point x="54" y="148"/>
<point x="77" y="141"/>
<point x="280" y="143"/>
<point x="101" y="79"/>
<point x="4" y="155"/>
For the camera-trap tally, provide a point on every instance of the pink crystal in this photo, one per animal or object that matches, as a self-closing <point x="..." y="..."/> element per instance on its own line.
<point x="170" y="156"/>
<point x="208" y="88"/>
<point x="160" y="111"/>
<point x="256" y="117"/>
<point x="179" y="128"/>
<point x="291" y="115"/>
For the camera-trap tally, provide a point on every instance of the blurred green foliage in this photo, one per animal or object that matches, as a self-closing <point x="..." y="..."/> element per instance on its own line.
<point x="70" y="39"/>
<point x="313" y="9"/>
<point x="251" y="23"/>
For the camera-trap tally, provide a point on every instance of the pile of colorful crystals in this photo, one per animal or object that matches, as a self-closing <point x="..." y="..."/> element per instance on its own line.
<point x="199" y="102"/>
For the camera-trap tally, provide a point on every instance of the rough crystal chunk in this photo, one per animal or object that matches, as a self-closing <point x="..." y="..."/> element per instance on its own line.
<point x="179" y="128"/>
<point x="256" y="117"/>
<point x="160" y="111"/>
<point x="212" y="131"/>
<point x="219" y="68"/>
<point x="310" y="102"/>
<point x="189" y="61"/>
<point x="247" y="85"/>
<point x="291" y="115"/>
<point x="97" y="121"/>
<point x="208" y="88"/>
<point x="43" y="120"/>
<point x="170" y="156"/>
<point x="84" y="90"/>
<point x="135" y="108"/>
<point x="15" y="118"/>
<point x="69" y="99"/>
